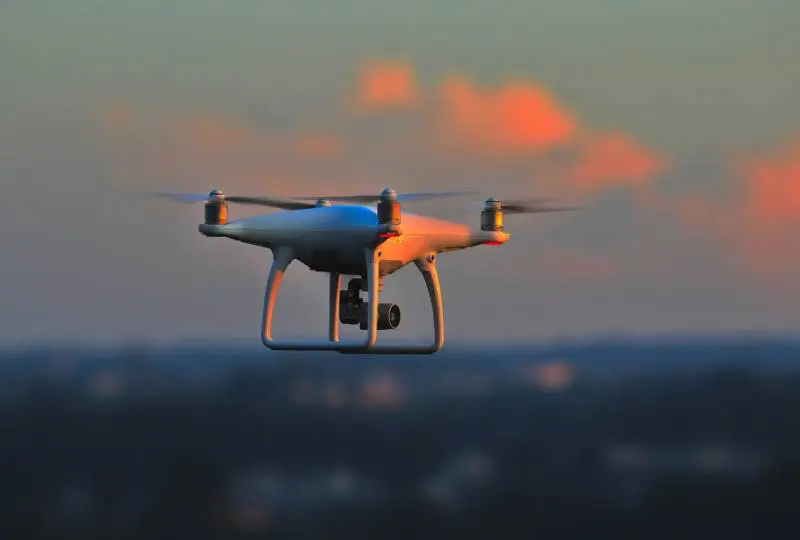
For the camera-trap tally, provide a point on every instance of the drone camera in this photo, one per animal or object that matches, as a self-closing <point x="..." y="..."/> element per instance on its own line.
<point x="349" y="308"/>
<point x="388" y="316"/>
<point x="353" y="310"/>
<point x="492" y="216"/>
<point x="216" y="208"/>
<point x="350" y="303"/>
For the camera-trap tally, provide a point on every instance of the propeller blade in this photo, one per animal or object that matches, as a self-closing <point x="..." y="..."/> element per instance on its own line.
<point x="526" y="206"/>
<point x="541" y="210"/>
<point x="187" y="198"/>
<point x="298" y="203"/>
<point x="532" y="206"/>
<point x="402" y="197"/>
<point x="285" y="204"/>
<point x="410" y="197"/>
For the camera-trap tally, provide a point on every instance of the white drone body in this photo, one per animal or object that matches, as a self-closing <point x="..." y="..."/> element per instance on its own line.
<point x="357" y="240"/>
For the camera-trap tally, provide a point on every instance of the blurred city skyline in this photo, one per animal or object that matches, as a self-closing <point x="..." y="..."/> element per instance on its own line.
<point x="670" y="438"/>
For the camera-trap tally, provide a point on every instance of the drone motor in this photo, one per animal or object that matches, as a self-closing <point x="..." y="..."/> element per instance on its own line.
<point x="389" y="212"/>
<point x="216" y="208"/>
<point x="492" y="216"/>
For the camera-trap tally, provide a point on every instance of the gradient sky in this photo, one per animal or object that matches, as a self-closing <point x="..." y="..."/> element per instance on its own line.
<point x="675" y="124"/>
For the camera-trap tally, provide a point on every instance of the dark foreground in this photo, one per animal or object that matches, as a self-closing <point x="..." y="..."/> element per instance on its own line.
<point x="596" y="441"/>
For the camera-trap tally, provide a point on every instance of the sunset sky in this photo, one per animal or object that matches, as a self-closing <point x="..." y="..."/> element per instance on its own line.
<point x="675" y="125"/>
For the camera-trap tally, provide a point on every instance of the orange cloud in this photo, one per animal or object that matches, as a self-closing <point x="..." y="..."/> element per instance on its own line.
<point x="385" y="85"/>
<point x="517" y="117"/>
<point x="598" y="162"/>
<point x="760" y="222"/>
<point x="518" y="120"/>
<point x="610" y="160"/>
<point x="769" y="216"/>
<point x="773" y="186"/>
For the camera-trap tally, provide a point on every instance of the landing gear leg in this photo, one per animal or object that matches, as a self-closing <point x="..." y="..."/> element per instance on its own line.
<point x="333" y="307"/>
<point x="427" y="267"/>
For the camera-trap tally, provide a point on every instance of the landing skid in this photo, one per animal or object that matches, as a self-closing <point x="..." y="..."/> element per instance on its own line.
<point x="427" y="267"/>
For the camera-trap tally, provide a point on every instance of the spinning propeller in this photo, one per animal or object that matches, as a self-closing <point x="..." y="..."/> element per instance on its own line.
<point x="523" y="206"/>
<point x="532" y="206"/>
<point x="492" y="212"/>
<point x="518" y="206"/>
<point x="403" y="197"/>
<point x="298" y="203"/>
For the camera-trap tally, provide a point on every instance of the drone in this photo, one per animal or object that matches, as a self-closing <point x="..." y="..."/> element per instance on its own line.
<point x="344" y="235"/>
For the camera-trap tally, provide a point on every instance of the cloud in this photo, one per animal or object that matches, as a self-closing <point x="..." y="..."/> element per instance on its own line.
<point x="387" y="85"/>
<point x="758" y="223"/>
<point x="510" y="126"/>
<point x="613" y="159"/>
<point x="517" y="127"/>
<point x="201" y="149"/>
<point x="596" y="163"/>
<point x="513" y="118"/>
<point x="772" y="187"/>
<point x="769" y="211"/>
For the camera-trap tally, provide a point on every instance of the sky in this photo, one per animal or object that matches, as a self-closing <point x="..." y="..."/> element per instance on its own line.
<point x="675" y="125"/>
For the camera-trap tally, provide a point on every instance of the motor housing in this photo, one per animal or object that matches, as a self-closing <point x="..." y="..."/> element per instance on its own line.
<point x="216" y="209"/>
<point x="389" y="212"/>
<point x="492" y="216"/>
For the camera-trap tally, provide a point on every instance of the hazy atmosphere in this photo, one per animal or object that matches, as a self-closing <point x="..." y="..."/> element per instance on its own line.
<point x="674" y="124"/>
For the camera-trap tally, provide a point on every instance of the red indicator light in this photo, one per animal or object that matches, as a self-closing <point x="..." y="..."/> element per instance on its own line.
<point x="388" y="235"/>
<point x="493" y="243"/>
